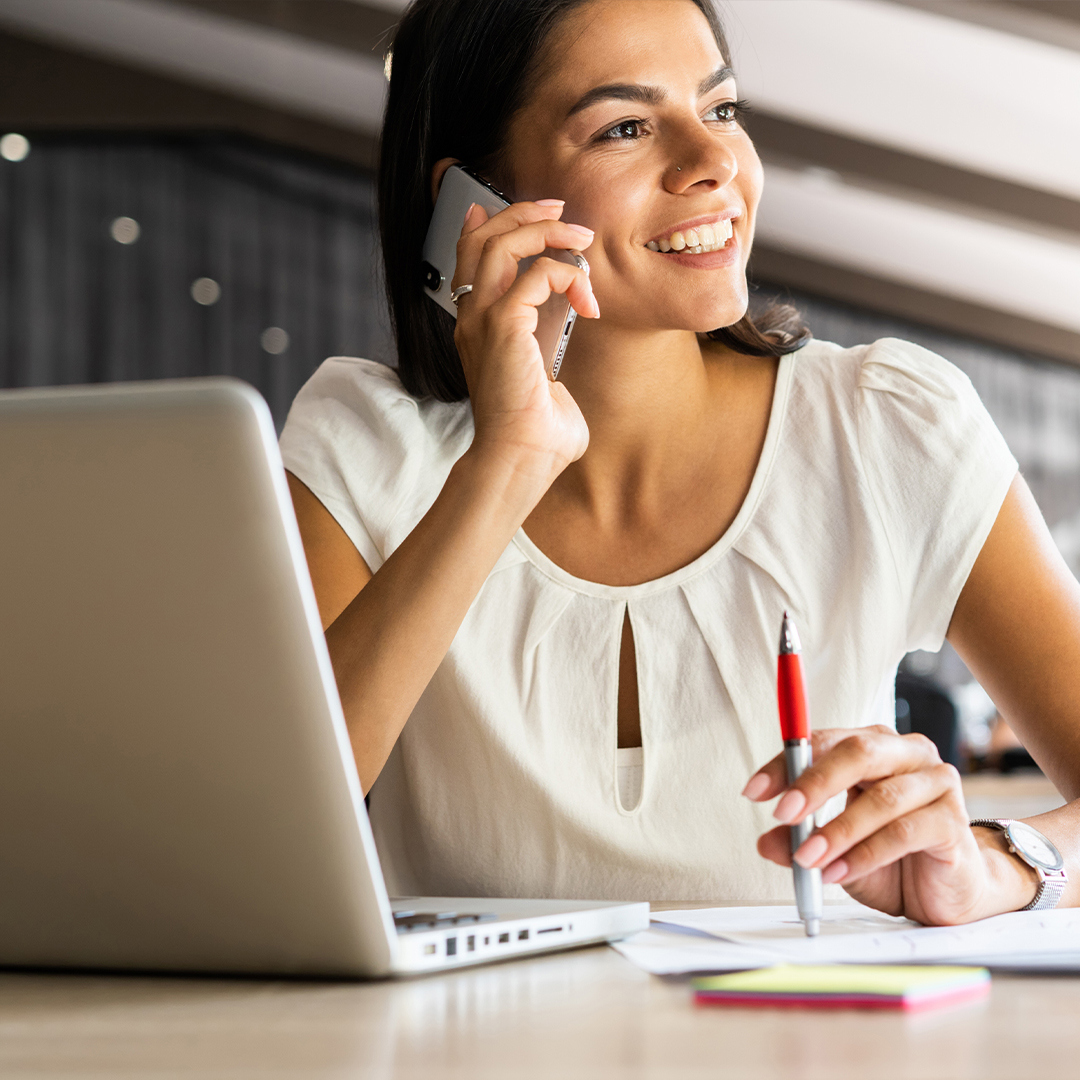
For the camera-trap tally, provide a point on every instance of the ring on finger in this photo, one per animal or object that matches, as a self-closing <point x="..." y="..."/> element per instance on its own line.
<point x="458" y="293"/>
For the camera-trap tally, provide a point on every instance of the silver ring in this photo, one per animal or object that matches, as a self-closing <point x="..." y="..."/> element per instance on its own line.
<point x="458" y="293"/>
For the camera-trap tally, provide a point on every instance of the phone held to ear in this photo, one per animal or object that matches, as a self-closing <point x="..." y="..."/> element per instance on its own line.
<point x="460" y="188"/>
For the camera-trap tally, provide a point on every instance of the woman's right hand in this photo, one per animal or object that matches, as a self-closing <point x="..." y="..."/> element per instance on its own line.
<point x="521" y="416"/>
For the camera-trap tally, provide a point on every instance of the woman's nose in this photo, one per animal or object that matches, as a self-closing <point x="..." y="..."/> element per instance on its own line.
<point x="709" y="162"/>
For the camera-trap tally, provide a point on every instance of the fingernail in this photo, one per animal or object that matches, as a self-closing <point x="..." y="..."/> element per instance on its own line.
<point x="791" y="807"/>
<point x="756" y="786"/>
<point x="595" y="309"/>
<point x="835" y="871"/>
<point x="550" y="202"/>
<point x="581" y="229"/>
<point x="811" y="851"/>
<point x="468" y="213"/>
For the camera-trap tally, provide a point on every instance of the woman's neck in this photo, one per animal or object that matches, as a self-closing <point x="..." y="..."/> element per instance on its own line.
<point x="676" y="428"/>
<point x="635" y="389"/>
<point x="651" y="402"/>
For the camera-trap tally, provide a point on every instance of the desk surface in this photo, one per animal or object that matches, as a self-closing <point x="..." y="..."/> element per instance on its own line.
<point x="584" y="1014"/>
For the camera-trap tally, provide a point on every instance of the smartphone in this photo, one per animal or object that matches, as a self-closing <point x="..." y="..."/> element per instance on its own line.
<point x="460" y="188"/>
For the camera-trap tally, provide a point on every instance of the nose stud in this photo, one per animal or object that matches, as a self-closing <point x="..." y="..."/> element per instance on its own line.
<point x="678" y="168"/>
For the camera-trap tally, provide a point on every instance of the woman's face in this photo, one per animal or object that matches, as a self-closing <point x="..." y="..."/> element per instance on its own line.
<point x="633" y="123"/>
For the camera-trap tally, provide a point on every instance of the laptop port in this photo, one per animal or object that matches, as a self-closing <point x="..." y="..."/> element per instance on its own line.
<point x="429" y="950"/>
<point x="550" y="930"/>
<point x="504" y="938"/>
<point x="470" y="943"/>
<point x="451" y="946"/>
<point x="523" y="935"/>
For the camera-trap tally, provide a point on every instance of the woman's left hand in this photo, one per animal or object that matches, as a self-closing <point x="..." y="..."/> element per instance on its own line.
<point x="903" y="844"/>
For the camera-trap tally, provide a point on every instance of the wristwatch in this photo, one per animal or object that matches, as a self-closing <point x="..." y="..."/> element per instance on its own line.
<point x="1039" y="853"/>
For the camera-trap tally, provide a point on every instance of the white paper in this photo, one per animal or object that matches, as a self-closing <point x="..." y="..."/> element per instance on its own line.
<point x="733" y="939"/>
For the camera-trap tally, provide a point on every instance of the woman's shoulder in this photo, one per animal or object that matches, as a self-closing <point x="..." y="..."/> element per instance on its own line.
<point x="889" y="366"/>
<point x="887" y="395"/>
<point x="363" y="392"/>
<point x="373" y="454"/>
<point x="889" y="360"/>
<point x="922" y="467"/>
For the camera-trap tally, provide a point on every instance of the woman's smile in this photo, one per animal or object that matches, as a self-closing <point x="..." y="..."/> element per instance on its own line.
<point x="709" y="233"/>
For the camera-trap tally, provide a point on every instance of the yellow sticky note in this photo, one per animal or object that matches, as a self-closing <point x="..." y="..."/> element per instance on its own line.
<point x="871" y="986"/>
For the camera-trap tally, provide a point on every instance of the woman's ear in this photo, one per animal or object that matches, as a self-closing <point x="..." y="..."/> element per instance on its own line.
<point x="438" y="172"/>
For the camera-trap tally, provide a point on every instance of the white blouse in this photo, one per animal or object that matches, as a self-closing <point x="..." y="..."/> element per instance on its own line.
<point x="880" y="478"/>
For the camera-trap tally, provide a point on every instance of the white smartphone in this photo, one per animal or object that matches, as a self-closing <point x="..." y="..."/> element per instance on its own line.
<point x="460" y="188"/>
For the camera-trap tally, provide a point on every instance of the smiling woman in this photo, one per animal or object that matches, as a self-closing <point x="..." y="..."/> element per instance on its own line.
<point x="552" y="607"/>
<point x="459" y="80"/>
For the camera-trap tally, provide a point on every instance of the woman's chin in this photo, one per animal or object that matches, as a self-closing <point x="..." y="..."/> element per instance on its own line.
<point x="715" y="320"/>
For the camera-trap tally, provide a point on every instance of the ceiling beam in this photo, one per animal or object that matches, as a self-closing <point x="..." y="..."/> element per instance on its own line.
<point x="342" y="23"/>
<point x="969" y="96"/>
<point x="48" y="89"/>
<point x="787" y="141"/>
<point x="1054" y="23"/>
<point x="257" y="63"/>
<point x="786" y="269"/>
<point x="979" y="259"/>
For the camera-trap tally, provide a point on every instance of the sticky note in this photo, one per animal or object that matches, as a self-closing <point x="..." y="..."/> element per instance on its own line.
<point x="910" y="988"/>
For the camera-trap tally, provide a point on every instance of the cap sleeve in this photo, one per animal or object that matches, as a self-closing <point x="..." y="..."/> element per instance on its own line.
<point x="938" y="470"/>
<point x="372" y="454"/>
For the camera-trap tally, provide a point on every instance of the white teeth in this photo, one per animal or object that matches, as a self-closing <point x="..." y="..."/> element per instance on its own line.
<point x="696" y="241"/>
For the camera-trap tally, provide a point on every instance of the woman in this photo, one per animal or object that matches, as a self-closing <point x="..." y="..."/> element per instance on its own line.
<point x="542" y="577"/>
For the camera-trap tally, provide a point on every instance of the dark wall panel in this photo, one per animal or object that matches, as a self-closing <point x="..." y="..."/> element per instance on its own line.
<point x="291" y="243"/>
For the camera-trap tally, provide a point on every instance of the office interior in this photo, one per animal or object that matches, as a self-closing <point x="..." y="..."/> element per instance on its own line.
<point x="207" y="208"/>
<point x="186" y="189"/>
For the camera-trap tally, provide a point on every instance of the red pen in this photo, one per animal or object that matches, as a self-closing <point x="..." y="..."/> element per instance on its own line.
<point x="795" y="729"/>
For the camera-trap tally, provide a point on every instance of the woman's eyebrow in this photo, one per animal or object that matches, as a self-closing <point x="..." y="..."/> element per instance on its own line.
<point x="717" y="78"/>
<point x="647" y="95"/>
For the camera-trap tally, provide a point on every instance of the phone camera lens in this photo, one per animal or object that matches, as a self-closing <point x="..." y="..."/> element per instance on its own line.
<point x="432" y="278"/>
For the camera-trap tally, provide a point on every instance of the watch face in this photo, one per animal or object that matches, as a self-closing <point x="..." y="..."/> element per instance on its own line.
<point x="1032" y="844"/>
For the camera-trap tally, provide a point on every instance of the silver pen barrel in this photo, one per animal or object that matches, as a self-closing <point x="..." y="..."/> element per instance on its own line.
<point x="798" y="756"/>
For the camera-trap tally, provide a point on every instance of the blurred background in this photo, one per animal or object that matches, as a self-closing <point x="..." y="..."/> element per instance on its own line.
<point x="186" y="189"/>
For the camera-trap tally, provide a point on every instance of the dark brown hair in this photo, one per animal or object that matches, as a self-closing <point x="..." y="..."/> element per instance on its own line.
<point x="459" y="74"/>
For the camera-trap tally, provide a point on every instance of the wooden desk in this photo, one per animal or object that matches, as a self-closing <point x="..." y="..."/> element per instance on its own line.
<point x="587" y="1014"/>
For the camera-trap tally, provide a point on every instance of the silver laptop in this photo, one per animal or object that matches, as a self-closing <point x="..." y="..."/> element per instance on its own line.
<point x="177" y="791"/>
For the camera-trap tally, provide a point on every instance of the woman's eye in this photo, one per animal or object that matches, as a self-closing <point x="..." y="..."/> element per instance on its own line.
<point x="627" y="129"/>
<point x="728" y="112"/>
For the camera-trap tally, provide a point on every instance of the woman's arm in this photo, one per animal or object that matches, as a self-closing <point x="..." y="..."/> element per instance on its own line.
<point x="387" y="632"/>
<point x="1017" y="627"/>
<point x="903" y="844"/>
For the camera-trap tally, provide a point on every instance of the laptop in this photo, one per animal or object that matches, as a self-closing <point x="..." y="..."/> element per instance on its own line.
<point x="177" y="790"/>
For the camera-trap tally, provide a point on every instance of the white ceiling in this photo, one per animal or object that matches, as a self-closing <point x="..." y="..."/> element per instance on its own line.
<point x="969" y="95"/>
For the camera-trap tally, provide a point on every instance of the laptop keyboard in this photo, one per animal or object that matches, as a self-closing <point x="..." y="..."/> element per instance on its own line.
<point x="405" y="921"/>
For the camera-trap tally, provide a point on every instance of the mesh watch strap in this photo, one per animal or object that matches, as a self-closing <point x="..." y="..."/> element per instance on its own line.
<point x="1051" y="882"/>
